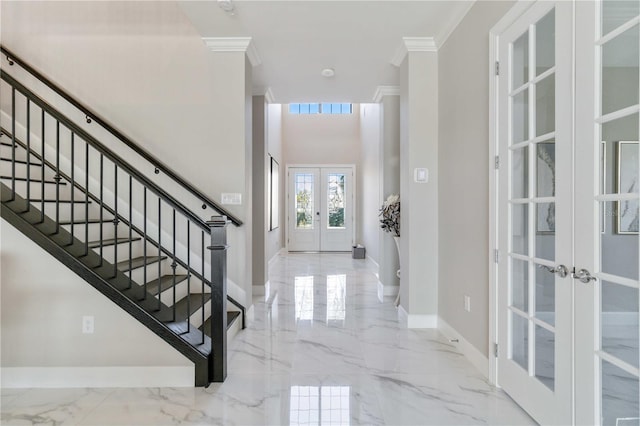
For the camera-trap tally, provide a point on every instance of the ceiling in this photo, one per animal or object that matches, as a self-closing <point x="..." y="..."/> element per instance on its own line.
<point x="295" y="40"/>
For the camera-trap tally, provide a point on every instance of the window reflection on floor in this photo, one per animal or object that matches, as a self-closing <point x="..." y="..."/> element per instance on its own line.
<point x="304" y="298"/>
<point x="336" y="296"/>
<point x="319" y="405"/>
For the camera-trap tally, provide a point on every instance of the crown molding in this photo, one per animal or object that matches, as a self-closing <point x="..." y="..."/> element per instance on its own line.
<point x="382" y="91"/>
<point x="413" y="44"/>
<point x="268" y="96"/>
<point x="234" y="44"/>
<point x="267" y="93"/>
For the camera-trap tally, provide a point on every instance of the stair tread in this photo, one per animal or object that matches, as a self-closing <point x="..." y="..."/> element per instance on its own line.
<point x="112" y="241"/>
<point x="84" y="222"/>
<point x="20" y="162"/>
<point x="232" y="316"/>
<point x="34" y="180"/>
<point x="53" y="200"/>
<point x="138" y="262"/>
<point x="165" y="282"/>
<point x="182" y="307"/>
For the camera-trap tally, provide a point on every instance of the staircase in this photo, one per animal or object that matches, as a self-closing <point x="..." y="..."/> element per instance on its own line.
<point x="120" y="231"/>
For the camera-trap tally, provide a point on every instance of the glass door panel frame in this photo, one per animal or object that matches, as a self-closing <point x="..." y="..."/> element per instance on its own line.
<point x="550" y="407"/>
<point x="588" y="247"/>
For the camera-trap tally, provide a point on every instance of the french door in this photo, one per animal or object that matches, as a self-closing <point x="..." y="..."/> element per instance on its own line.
<point x="568" y="279"/>
<point x="320" y="208"/>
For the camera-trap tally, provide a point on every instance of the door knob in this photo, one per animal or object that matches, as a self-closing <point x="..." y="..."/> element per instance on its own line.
<point x="583" y="275"/>
<point x="560" y="270"/>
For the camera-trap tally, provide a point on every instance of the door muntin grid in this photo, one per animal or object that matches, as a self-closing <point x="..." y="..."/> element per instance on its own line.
<point x="532" y="200"/>
<point x="617" y="288"/>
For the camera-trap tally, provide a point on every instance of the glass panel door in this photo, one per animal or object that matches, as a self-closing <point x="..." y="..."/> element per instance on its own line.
<point x="607" y="325"/>
<point x="304" y="209"/>
<point x="534" y="297"/>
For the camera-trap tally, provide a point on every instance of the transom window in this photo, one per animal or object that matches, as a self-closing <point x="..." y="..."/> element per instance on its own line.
<point x="323" y="108"/>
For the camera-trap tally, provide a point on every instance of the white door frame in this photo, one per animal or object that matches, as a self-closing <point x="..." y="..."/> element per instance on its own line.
<point x="494" y="38"/>
<point x="321" y="166"/>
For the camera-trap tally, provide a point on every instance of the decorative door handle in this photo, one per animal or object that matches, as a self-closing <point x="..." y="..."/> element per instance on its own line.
<point x="584" y="276"/>
<point x="560" y="270"/>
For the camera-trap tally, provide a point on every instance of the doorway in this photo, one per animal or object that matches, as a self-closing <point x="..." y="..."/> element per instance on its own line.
<point x="567" y="262"/>
<point x="320" y="208"/>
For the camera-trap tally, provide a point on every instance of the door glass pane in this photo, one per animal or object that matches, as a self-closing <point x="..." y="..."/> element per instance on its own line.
<point x="545" y="42"/>
<point x="520" y="284"/>
<point x="545" y="219"/>
<point x="620" y="156"/>
<point x="617" y="12"/>
<point x="520" y="228"/>
<point x="335" y="200"/>
<point x="545" y="353"/>
<point x="546" y="105"/>
<point x="545" y="295"/>
<point x="620" y="397"/>
<point x="520" y="61"/>
<point x="520" y="117"/>
<point x="620" y="71"/>
<point x="546" y="169"/>
<point x="520" y="173"/>
<point x="619" y="242"/>
<point x="304" y="200"/>
<point x="520" y="340"/>
<point x="619" y="322"/>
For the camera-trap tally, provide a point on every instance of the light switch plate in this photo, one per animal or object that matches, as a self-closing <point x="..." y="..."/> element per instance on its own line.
<point x="421" y="175"/>
<point x="232" y="198"/>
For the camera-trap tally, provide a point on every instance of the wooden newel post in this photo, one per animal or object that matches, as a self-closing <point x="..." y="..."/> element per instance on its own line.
<point x="218" y="356"/>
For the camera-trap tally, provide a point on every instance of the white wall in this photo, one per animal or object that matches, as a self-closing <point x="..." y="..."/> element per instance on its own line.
<point x="323" y="139"/>
<point x="274" y="148"/>
<point x="142" y="66"/>
<point x="463" y="155"/>
<point x="41" y="316"/>
<point x="370" y="179"/>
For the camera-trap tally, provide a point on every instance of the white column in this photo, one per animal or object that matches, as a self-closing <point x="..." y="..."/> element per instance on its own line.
<point x="389" y="166"/>
<point x="418" y="63"/>
<point x="232" y="61"/>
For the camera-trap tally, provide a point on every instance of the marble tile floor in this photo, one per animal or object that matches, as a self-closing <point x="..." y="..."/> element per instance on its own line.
<point x="322" y="350"/>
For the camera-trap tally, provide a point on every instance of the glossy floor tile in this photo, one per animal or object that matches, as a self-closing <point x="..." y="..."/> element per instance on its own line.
<point x="321" y="350"/>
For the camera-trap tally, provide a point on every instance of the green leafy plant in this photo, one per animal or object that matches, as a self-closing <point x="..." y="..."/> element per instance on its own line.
<point x="390" y="215"/>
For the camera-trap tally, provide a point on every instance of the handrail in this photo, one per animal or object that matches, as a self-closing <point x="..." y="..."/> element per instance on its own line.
<point x="104" y="150"/>
<point x="121" y="218"/>
<point x="91" y="115"/>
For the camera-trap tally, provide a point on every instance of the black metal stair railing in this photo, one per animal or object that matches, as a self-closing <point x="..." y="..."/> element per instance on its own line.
<point x="147" y="244"/>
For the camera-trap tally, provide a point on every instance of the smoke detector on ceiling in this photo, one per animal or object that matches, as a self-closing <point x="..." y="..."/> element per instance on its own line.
<point x="328" y="72"/>
<point x="227" y="6"/>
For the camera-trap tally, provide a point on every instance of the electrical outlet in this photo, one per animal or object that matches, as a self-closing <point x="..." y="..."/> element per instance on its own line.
<point x="467" y="303"/>
<point x="87" y="324"/>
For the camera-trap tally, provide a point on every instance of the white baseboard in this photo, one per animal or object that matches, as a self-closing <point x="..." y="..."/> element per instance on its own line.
<point x="417" y="320"/>
<point x="96" y="377"/>
<point x="387" y="290"/>
<point x="477" y="358"/>
<point x="250" y="314"/>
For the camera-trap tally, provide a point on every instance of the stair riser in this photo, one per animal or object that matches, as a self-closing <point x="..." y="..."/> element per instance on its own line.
<point x="181" y="292"/>
<point x="65" y="210"/>
<point x="137" y="275"/>
<point x="196" y="316"/>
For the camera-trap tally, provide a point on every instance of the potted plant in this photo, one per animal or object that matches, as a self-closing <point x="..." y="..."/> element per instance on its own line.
<point x="390" y="215"/>
<point x="390" y="222"/>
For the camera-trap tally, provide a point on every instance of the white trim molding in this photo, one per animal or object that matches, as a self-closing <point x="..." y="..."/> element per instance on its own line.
<point x="413" y="44"/>
<point x="382" y="91"/>
<point x="416" y="320"/>
<point x="266" y="92"/>
<point x="97" y="377"/>
<point x="387" y="290"/>
<point x="234" y="44"/>
<point x="477" y="358"/>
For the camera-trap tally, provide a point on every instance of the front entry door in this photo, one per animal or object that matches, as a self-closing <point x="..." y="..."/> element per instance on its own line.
<point x="535" y="207"/>
<point x="320" y="208"/>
